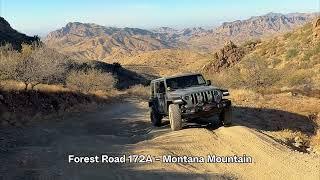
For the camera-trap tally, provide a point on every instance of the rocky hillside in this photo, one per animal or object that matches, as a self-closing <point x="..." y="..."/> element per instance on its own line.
<point x="291" y="60"/>
<point x="9" y="35"/>
<point x="229" y="55"/>
<point x="167" y="61"/>
<point x="253" y="28"/>
<point x="182" y="35"/>
<point x="91" y="41"/>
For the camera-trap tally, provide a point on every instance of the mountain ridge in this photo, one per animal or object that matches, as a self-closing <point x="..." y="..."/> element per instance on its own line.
<point x="12" y="36"/>
<point x="96" y="42"/>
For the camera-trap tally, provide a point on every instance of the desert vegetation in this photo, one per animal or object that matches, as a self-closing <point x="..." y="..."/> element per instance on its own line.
<point x="36" y="65"/>
<point x="290" y="61"/>
<point x="139" y="91"/>
<point x="37" y="81"/>
<point x="281" y="73"/>
<point x="90" y="81"/>
<point x="33" y="65"/>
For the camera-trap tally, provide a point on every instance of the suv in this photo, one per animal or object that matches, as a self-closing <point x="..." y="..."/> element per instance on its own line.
<point x="187" y="96"/>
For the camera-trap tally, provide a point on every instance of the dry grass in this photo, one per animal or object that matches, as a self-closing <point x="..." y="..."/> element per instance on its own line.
<point x="307" y="108"/>
<point x="167" y="61"/>
<point x="315" y="140"/>
<point x="139" y="91"/>
<point x="90" y="81"/>
<point x="243" y="95"/>
<point x="290" y="137"/>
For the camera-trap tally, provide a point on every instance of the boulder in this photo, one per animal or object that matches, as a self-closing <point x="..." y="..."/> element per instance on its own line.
<point x="316" y="29"/>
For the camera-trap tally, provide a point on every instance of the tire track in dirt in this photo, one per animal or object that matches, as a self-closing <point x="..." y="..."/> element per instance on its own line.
<point x="124" y="128"/>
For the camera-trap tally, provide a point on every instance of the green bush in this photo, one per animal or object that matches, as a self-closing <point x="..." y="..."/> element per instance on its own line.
<point x="291" y="53"/>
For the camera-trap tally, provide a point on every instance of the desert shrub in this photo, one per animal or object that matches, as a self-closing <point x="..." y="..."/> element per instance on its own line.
<point x="238" y="95"/>
<point x="90" y="81"/>
<point x="315" y="140"/>
<point x="287" y="35"/>
<point x="275" y="61"/>
<point x="139" y="91"/>
<point x="34" y="65"/>
<point x="8" y="63"/>
<point x="252" y="73"/>
<point x="256" y="73"/>
<point x="312" y="52"/>
<point x="251" y="43"/>
<point x="297" y="78"/>
<point x="229" y="78"/>
<point x="291" y="53"/>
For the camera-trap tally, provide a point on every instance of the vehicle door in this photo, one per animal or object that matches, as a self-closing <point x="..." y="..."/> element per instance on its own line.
<point x="160" y="92"/>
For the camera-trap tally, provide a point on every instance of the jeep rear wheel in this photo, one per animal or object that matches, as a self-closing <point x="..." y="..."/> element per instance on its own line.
<point x="175" y="117"/>
<point x="155" y="117"/>
<point x="225" y="117"/>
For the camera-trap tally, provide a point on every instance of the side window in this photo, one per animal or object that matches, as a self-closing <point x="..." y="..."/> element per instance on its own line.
<point x="152" y="89"/>
<point x="201" y="80"/>
<point x="156" y="87"/>
<point x="162" y="88"/>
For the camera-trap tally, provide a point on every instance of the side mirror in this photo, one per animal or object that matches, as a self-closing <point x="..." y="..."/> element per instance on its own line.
<point x="208" y="82"/>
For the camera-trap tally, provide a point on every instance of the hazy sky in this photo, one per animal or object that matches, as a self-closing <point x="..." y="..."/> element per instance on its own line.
<point x="41" y="16"/>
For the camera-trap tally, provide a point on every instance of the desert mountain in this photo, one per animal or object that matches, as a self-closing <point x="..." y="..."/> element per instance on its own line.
<point x="253" y="28"/>
<point x="13" y="37"/>
<point x="181" y="34"/>
<point x="291" y="60"/>
<point x="93" y="41"/>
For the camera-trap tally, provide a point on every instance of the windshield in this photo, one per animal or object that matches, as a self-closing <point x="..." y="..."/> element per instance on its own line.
<point x="185" y="81"/>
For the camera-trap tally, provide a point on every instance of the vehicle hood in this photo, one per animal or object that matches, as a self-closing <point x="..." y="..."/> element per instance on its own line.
<point x="190" y="90"/>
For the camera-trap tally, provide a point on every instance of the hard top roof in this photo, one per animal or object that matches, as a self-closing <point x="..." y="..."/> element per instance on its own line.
<point x="177" y="75"/>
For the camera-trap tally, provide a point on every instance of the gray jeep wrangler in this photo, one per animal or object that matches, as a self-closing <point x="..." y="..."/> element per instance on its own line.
<point x="187" y="96"/>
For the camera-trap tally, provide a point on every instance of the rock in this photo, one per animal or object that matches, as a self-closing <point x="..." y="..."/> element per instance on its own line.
<point x="316" y="29"/>
<point x="298" y="139"/>
<point x="292" y="93"/>
<point x="229" y="55"/>
<point x="317" y="23"/>
<point x="298" y="145"/>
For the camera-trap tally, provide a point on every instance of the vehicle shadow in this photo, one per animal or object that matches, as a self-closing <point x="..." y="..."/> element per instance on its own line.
<point x="272" y="120"/>
<point x="261" y="119"/>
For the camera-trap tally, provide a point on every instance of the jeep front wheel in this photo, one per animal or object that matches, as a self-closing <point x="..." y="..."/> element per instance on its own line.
<point x="175" y="117"/>
<point x="226" y="117"/>
<point x="155" y="117"/>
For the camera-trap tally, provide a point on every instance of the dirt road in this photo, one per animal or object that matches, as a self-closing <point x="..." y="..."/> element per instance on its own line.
<point x="41" y="150"/>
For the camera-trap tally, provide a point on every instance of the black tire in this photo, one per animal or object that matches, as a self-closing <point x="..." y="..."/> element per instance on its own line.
<point x="155" y="117"/>
<point x="175" y="117"/>
<point x="225" y="117"/>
